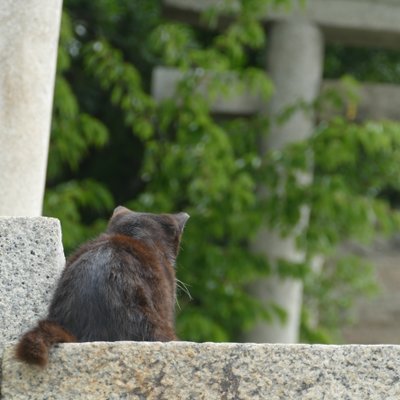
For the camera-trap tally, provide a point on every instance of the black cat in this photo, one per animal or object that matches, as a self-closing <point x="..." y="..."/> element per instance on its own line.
<point x="119" y="286"/>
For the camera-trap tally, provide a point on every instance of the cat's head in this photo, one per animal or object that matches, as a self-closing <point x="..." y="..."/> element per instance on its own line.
<point x="160" y="230"/>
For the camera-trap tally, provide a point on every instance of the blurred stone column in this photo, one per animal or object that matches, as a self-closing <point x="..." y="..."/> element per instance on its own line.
<point x="295" y="59"/>
<point x="29" y="31"/>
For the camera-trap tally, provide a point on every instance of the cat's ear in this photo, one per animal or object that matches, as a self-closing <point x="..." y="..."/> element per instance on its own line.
<point x="120" y="210"/>
<point x="181" y="218"/>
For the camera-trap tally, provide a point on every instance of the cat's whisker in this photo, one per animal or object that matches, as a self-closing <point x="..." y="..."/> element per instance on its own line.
<point x="184" y="287"/>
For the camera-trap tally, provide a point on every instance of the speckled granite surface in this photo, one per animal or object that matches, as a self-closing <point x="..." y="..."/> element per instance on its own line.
<point x="181" y="370"/>
<point x="31" y="260"/>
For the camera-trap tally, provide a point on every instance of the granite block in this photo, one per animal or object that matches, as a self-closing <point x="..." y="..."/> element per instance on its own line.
<point x="182" y="370"/>
<point x="31" y="261"/>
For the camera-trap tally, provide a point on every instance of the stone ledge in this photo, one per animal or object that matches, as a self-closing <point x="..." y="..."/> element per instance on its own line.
<point x="182" y="370"/>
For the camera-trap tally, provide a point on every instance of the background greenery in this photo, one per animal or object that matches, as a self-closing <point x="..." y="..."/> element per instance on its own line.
<point x="113" y="144"/>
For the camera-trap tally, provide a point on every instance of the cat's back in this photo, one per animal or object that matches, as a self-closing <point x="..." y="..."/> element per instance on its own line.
<point x="108" y="253"/>
<point x="104" y="280"/>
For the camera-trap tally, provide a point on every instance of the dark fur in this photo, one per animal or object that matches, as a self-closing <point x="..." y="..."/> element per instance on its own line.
<point x="120" y="286"/>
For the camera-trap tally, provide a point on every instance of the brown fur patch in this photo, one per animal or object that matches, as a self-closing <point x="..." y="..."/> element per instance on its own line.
<point x="34" y="345"/>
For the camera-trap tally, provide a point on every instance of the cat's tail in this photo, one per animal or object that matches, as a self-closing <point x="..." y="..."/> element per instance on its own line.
<point x="34" y="345"/>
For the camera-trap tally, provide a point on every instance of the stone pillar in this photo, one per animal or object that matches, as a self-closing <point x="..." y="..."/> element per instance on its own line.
<point x="29" y="31"/>
<point x="295" y="65"/>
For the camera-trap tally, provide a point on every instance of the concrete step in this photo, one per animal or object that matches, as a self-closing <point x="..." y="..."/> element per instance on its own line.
<point x="183" y="370"/>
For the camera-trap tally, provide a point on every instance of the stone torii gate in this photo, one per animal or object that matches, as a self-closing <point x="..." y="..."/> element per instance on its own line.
<point x="294" y="63"/>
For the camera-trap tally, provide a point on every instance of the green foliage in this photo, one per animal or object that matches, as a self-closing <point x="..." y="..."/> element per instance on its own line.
<point x="123" y="82"/>
<point x="186" y="159"/>
<point x="112" y="144"/>
<point x="66" y="201"/>
<point x="74" y="134"/>
<point x="353" y="166"/>
<point x="193" y="163"/>
<point x="342" y="279"/>
<point x="383" y="65"/>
